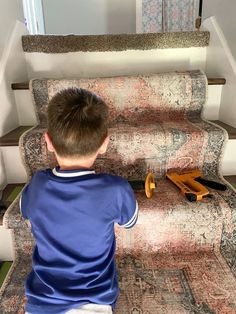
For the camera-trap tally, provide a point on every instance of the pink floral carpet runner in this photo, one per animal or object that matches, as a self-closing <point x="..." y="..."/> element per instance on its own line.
<point x="181" y="256"/>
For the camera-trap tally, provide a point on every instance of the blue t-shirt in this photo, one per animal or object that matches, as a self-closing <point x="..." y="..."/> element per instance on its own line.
<point x="72" y="215"/>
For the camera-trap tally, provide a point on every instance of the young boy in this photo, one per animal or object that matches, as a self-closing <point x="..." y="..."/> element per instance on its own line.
<point x="72" y="211"/>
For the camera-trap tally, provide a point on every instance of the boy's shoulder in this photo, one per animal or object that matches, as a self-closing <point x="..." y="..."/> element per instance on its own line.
<point x="40" y="177"/>
<point x="105" y="177"/>
<point x="115" y="184"/>
<point x="113" y="179"/>
<point x="40" y="174"/>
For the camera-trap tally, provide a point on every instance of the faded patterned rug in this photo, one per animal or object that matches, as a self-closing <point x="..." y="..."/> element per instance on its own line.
<point x="181" y="256"/>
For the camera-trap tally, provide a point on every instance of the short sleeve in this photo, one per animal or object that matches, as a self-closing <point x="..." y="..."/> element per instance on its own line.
<point x="24" y="203"/>
<point x="128" y="206"/>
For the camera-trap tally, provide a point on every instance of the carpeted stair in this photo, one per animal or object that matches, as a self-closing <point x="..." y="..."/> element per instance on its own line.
<point x="119" y="42"/>
<point x="181" y="256"/>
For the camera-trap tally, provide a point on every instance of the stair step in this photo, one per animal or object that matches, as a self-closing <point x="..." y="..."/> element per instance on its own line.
<point x="180" y="283"/>
<point x="11" y="191"/>
<point x="9" y="194"/>
<point x="27" y="116"/>
<point x="230" y="129"/>
<point x="120" y="42"/>
<point x="11" y="155"/>
<point x="211" y="81"/>
<point x="12" y="138"/>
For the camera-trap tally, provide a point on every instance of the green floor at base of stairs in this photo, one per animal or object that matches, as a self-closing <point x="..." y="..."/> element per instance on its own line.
<point x="14" y="193"/>
<point x="4" y="270"/>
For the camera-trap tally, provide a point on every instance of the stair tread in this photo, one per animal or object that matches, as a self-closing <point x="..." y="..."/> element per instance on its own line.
<point x="230" y="129"/>
<point x="9" y="194"/>
<point x="111" y="42"/>
<point x="12" y="138"/>
<point x="216" y="81"/>
<point x="211" y="81"/>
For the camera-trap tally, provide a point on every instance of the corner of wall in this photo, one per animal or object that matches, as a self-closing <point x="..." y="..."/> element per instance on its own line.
<point x="12" y="69"/>
<point x="220" y="62"/>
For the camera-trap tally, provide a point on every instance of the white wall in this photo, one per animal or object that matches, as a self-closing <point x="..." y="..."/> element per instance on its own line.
<point x="89" y="17"/>
<point x="224" y="11"/>
<point x="6" y="248"/>
<point x="12" y="69"/>
<point x="221" y="54"/>
<point x="12" y="60"/>
<point x="11" y="10"/>
<point x="221" y="63"/>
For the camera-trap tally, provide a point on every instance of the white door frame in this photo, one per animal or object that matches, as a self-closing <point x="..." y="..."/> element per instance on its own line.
<point x="34" y="16"/>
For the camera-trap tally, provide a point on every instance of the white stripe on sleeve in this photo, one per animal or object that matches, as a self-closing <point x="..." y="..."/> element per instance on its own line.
<point x="133" y="219"/>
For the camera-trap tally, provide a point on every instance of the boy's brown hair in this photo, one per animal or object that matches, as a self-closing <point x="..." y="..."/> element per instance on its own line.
<point x="77" y="122"/>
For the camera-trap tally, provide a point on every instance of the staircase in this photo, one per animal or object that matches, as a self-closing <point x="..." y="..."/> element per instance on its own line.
<point x="85" y="57"/>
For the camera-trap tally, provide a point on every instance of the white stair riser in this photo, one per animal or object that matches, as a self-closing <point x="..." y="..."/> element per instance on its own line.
<point x="27" y="116"/>
<point x="129" y="62"/>
<point x="15" y="171"/>
<point x="6" y="252"/>
<point x="229" y="161"/>
<point x="211" y="109"/>
<point x="25" y="107"/>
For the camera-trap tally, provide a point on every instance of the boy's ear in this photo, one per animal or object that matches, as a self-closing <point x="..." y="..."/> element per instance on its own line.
<point x="103" y="147"/>
<point x="49" y="142"/>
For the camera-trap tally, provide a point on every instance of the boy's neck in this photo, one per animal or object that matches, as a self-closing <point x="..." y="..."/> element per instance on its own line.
<point x="76" y="163"/>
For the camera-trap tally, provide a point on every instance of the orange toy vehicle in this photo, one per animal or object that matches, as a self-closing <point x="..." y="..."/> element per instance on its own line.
<point x="190" y="183"/>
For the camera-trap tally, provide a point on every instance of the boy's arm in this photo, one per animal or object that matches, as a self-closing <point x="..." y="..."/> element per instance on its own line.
<point x="128" y="206"/>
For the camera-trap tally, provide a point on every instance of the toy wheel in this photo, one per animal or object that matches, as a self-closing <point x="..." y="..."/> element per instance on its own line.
<point x="149" y="185"/>
<point x="191" y="197"/>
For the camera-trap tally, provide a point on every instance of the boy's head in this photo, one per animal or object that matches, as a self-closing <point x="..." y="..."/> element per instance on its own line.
<point x="77" y="123"/>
